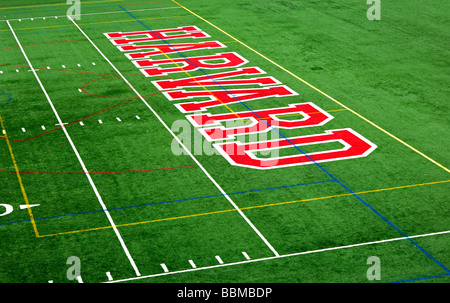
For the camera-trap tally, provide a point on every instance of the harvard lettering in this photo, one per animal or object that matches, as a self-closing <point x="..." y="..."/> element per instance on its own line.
<point x="156" y="35"/>
<point x="221" y="97"/>
<point x="190" y="64"/>
<point x="355" y="146"/>
<point x="201" y="99"/>
<point x="166" y="49"/>
<point x="213" y="79"/>
<point x="262" y="120"/>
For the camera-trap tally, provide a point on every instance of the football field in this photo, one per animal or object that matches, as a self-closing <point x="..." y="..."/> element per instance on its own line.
<point x="224" y="141"/>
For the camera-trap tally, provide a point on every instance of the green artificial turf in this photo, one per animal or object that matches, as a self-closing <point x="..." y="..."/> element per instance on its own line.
<point x="297" y="224"/>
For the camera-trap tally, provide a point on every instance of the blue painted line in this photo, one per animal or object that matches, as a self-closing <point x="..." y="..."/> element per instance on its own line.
<point x="9" y="99"/>
<point x="422" y="278"/>
<point x="167" y="202"/>
<point x="300" y="150"/>
<point x="66" y="30"/>
<point x="53" y="10"/>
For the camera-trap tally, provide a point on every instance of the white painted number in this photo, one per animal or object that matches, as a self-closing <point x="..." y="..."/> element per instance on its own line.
<point x="8" y="209"/>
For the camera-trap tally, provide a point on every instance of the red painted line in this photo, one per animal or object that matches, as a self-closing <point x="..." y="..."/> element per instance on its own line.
<point x="81" y="119"/>
<point x="145" y="3"/>
<point x="59" y="127"/>
<point x="115" y="76"/>
<point x="9" y="139"/>
<point x="93" y="173"/>
<point x="83" y="89"/>
<point x="110" y="76"/>
<point x="60" y="70"/>
<point x="43" y="43"/>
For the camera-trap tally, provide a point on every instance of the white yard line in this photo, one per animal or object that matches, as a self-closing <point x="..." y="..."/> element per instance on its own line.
<point x="192" y="264"/>
<point x="219" y="259"/>
<point x="102" y="13"/>
<point x="181" y="144"/>
<point x="164" y="267"/>
<point x="246" y="255"/>
<point x="100" y="200"/>
<point x="280" y="256"/>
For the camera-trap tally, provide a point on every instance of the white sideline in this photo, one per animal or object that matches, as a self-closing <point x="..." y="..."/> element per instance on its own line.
<point x="100" y="200"/>
<point x="181" y="144"/>
<point x="101" y="13"/>
<point x="278" y="257"/>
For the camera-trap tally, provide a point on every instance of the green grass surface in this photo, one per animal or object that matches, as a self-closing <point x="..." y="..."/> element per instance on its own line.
<point x="393" y="72"/>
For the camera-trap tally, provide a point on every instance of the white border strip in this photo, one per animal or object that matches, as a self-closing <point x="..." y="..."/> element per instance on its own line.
<point x="279" y="257"/>
<point x="100" y="200"/>
<point x="101" y="13"/>
<point x="181" y="144"/>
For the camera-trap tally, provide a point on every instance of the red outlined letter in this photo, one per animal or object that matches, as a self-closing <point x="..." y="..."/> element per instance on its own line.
<point x="212" y="80"/>
<point x="262" y="120"/>
<point x="158" y="49"/>
<point x="228" y="60"/>
<point x="221" y="97"/>
<point x="157" y="35"/>
<point x="240" y="154"/>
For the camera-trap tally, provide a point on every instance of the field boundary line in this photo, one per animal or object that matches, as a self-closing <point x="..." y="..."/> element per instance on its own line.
<point x="34" y="44"/>
<point x="58" y="70"/>
<point x="80" y="119"/>
<point x="170" y="201"/>
<point x="423" y="278"/>
<point x="179" y="142"/>
<point x="55" y="4"/>
<point x="130" y="99"/>
<point x="80" y="160"/>
<point x="230" y="210"/>
<point x="318" y="90"/>
<point x="98" y="172"/>
<point x="99" y="13"/>
<point x="281" y="256"/>
<point x="22" y="188"/>
<point x="90" y="23"/>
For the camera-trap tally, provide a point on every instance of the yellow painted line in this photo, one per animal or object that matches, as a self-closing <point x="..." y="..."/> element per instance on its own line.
<point x="328" y="111"/>
<point x="55" y="4"/>
<point x="318" y="90"/>
<point x="90" y="23"/>
<point x="76" y="231"/>
<point x="350" y="194"/>
<point x="247" y="208"/>
<point x="143" y="222"/>
<point x="22" y="188"/>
